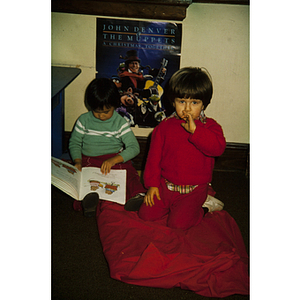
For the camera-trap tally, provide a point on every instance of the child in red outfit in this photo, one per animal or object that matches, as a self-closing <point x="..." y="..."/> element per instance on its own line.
<point x="182" y="152"/>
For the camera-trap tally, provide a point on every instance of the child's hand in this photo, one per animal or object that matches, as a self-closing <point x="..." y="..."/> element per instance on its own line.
<point x="153" y="191"/>
<point x="78" y="164"/>
<point x="109" y="163"/>
<point x="190" y="125"/>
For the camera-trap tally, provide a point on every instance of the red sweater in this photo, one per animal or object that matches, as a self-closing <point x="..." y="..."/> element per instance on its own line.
<point x="181" y="157"/>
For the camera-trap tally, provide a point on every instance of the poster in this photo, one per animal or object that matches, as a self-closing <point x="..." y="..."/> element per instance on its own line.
<point x="156" y="46"/>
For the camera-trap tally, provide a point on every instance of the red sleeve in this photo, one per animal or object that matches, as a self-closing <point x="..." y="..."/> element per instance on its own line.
<point x="209" y="138"/>
<point x="152" y="173"/>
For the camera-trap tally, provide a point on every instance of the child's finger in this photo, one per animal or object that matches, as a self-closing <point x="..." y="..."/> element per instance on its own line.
<point x="150" y="201"/>
<point x="185" y="126"/>
<point x="103" y="169"/>
<point x="158" y="195"/>
<point x="146" y="200"/>
<point x="189" y="118"/>
<point x="78" y="167"/>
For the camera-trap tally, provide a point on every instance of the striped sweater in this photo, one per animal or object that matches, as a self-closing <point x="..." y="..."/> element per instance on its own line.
<point x="93" y="137"/>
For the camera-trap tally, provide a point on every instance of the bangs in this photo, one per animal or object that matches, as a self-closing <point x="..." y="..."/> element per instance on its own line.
<point x="102" y="105"/>
<point x="191" y="82"/>
<point x="100" y="93"/>
<point x="188" y="91"/>
<point x="195" y="88"/>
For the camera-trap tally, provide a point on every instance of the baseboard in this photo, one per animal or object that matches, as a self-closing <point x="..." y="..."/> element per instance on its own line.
<point x="234" y="158"/>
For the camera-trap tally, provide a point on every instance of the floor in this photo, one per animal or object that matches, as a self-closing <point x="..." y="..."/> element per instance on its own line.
<point x="79" y="268"/>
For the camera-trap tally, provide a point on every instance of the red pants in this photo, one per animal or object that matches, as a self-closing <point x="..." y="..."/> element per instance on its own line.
<point x="184" y="210"/>
<point x="133" y="183"/>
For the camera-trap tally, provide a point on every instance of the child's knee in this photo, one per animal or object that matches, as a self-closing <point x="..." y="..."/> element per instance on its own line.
<point x="148" y="213"/>
<point x="179" y="225"/>
<point x="182" y="223"/>
<point x="147" y="217"/>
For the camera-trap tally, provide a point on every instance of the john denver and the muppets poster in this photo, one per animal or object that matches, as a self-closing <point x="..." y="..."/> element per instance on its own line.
<point x="140" y="57"/>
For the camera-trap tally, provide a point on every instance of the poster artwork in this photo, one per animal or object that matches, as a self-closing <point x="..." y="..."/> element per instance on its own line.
<point x="140" y="57"/>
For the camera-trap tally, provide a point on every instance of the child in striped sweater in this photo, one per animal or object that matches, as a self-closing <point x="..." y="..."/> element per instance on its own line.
<point x="102" y="138"/>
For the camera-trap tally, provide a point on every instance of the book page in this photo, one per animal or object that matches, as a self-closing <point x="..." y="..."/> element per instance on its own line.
<point x="65" y="177"/>
<point x="111" y="187"/>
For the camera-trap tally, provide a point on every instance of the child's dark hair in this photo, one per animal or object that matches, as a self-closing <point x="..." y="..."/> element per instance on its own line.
<point x="191" y="82"/>
<point x="102" y="92"/>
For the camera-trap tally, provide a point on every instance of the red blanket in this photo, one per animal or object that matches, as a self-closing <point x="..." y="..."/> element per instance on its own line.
<point x="209" y="259"/>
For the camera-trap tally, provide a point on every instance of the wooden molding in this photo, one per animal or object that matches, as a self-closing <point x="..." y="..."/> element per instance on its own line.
<point x="235" y="157"/>
<point x="145" y="9"/>
<point x="239" y="2"/>
<point x="157" y="9"/>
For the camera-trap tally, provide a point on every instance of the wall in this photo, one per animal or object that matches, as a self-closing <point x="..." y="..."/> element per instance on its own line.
<point x="215" y="36"/>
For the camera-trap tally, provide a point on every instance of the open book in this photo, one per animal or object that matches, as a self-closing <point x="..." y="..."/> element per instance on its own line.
<point x="111" y="187"/>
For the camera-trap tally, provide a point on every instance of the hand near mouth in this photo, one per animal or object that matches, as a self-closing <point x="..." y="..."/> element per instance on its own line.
<point x="190" y="125"/>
